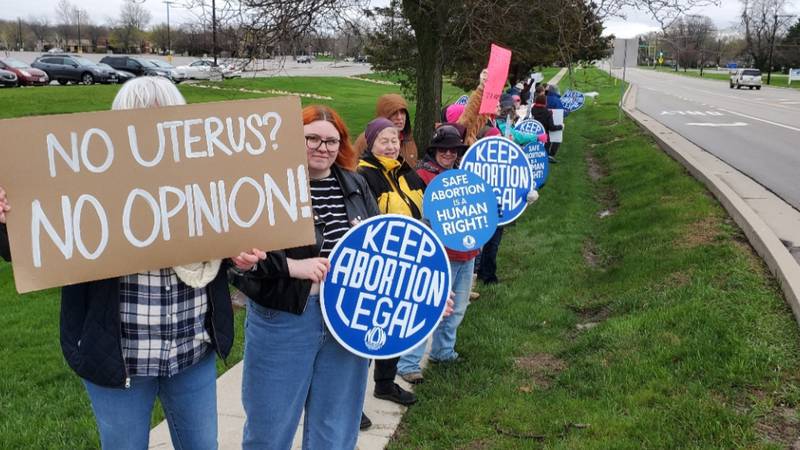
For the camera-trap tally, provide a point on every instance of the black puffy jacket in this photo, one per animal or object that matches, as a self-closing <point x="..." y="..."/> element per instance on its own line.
<point x="91" y="334"/>
<point x="270" y="285"/>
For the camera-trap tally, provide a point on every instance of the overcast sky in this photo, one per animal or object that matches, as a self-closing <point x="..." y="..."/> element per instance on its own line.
<point x="725" y="15"/>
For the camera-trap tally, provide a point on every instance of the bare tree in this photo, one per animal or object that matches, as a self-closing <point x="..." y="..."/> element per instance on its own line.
<point x="40" y="27"/>
<point x="762" y="21"/>
<point x="132" y="21"/>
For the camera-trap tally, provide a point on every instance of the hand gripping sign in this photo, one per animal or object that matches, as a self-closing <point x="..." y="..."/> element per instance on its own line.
<point x="387" y="287"/>
<point x="540" y="165"/>
<point x="502" y="164"/>
<point x="461" y="209"/>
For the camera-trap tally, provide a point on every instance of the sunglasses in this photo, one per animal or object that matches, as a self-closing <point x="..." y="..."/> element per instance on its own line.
<point x="448" y="150"/>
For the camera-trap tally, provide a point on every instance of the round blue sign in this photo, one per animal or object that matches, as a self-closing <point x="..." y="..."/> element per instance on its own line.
<point x="540" y="164"/>
<point x="462" y="100"/>
<point x="501" y="164"/>
<point x="461" y="209"/>
<point x="530" y="127"/>
<point x="572" y="100"/>
<point x="387" y="287"/>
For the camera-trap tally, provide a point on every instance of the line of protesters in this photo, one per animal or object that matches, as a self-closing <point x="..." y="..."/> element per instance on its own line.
<point x="156" y="334"/>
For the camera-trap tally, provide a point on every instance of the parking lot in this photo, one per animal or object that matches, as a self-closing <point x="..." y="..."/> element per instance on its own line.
<point x="279" y="66"/>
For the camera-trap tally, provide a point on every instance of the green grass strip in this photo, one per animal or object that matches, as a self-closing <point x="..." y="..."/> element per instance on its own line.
<point x="655" y="326"/>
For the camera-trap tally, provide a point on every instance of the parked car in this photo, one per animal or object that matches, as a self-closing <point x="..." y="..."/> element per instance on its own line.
<point x="122" y="75"/>
<point x="360" y="59"/>
<point x="65" y="68"/>
<point x="26" y="75"/>
<point x="746" y="77"/>
<point x="176" y="75"/>
<point x="136" y="66"/>
<point x="8" y="79"/>
<point x="203" y="69"/>
<point x="303" y="59"/>
<point x="56" y="50"/>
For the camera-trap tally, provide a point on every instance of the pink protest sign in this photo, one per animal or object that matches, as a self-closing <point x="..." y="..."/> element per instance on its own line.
<point x="499" y="60"/>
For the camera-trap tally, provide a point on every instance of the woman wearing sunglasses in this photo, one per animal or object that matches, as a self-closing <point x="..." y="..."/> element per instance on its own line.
<point x="446" y="148"/>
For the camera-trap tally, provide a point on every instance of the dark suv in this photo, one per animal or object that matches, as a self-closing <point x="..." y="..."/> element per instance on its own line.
<point x="66" y="68"/>
<point x="136" y="66"/>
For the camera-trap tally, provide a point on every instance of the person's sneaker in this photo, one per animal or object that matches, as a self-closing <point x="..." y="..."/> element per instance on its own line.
<point x="474" y="295"/>
<point x="455" y="360"/>
<point x="365" y="422"/>
<point x="552" y="160"/>
<point x="398" y="395"/>
<point x="413" y="377"/>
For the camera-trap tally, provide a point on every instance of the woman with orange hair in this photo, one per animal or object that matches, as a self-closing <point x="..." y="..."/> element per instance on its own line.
<point x="291" y="361"/>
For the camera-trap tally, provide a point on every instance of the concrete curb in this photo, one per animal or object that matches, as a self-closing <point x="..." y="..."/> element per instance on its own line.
<point x="717" y="176"/>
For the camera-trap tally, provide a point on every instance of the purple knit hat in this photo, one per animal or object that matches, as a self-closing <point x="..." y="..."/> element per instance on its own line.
<point x="374" y="128"/>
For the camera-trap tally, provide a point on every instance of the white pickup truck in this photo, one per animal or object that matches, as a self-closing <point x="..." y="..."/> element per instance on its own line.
<point x="746" y="77"/>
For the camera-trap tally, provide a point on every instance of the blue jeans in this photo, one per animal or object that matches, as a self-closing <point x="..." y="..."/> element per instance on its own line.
<point x="444" y="337"/>
<point x="189" y="400"/>
<point x="292" y="362"/>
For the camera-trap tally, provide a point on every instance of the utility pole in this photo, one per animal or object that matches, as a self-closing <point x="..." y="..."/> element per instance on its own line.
<point x="19" y="34"/>
<point x="80" y="47"/>
<point x="169" y="41"/>
<point x="214" y="30"/>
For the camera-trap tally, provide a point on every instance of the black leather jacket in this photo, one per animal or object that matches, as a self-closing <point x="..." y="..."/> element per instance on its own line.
<point x="270" y="285"/>
<point x="91" y="334"/>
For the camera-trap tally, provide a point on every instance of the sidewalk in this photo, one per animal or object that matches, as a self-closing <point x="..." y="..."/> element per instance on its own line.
<point x="385" y="415"/>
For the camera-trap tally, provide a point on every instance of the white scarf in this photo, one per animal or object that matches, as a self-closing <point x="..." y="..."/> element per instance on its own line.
<point x="198" y="275"/>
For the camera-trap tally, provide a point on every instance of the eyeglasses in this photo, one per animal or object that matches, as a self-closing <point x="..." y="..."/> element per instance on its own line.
<point x="314" y="142"/>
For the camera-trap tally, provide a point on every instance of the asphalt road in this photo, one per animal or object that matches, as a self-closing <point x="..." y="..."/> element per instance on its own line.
<point x="755" y="131"/>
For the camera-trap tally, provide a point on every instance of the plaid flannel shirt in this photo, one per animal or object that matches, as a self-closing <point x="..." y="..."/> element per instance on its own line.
<point x="163" y="323"/>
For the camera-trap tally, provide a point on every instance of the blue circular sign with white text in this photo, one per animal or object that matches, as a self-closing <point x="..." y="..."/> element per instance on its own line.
<point x="530" y="126"/>
<point x="540" y="164"/>
<point x="502" y="164"/>
<point x="462" y="100"/>
<point x="461" y="209"/>
<point x="387" y="287"/>
<point x="572" y="100"/>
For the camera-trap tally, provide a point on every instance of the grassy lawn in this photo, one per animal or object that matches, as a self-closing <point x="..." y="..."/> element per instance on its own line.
<point x="42" y="403"/>
<point x="778" y="79"/>
<point x="655" y="326"/>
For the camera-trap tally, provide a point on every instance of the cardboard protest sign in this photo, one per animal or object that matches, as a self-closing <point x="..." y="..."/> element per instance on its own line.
<point x="558" y="119"/>
<point x="387" y="287"/>
<point x="499" y="60"/>
<point x="540" y="164"/>
<point x="104" y="194"/>
<point x="502" y="164"/>
<point x="462" y="100"/>
<point x="461" y="209"/>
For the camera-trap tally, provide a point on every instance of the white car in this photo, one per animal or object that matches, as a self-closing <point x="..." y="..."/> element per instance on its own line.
<point x="175" y="74"/>
<point x="204" y="69"/>
<point x="746" y="77"/>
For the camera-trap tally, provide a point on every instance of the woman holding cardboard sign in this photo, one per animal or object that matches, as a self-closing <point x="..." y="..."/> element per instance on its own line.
<point x="150" y="334"/>
<point x="291" y="361"/>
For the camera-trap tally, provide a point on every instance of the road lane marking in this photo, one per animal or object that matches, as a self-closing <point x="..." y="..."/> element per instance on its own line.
<point x="714" y="125"/>
<point x="788" y="127"/>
